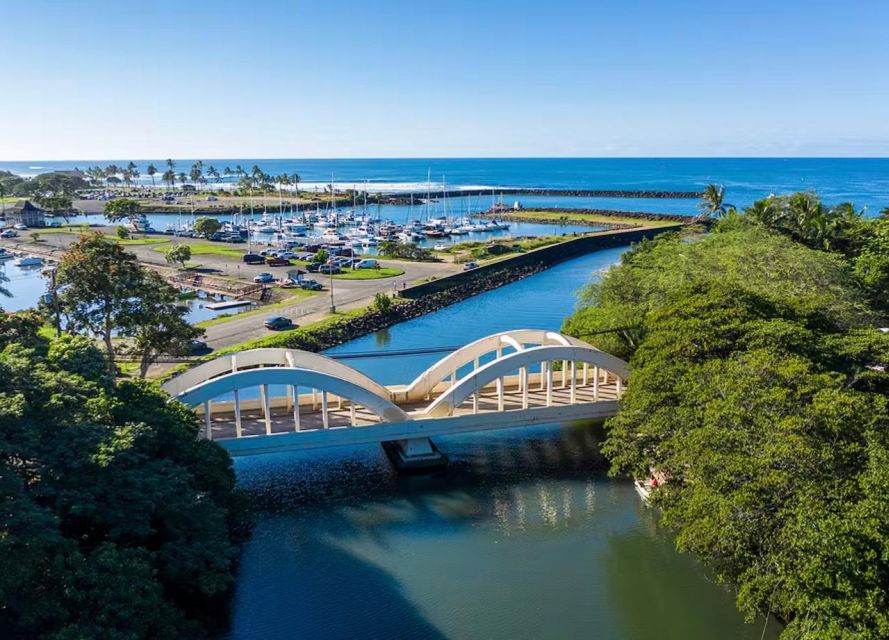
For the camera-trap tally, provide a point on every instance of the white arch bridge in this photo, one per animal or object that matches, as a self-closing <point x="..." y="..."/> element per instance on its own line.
<point x="510" y="379"/>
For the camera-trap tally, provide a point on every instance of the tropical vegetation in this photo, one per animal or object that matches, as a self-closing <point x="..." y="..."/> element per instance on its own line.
<point x="759" y="393"/>
<point x="117" y="520"/>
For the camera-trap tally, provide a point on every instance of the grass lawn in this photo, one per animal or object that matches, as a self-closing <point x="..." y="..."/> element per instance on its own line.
<point x="205" y="248"/>
<point x="137" y="241"/>
<point x="585" y="218"/>
<point x="367" y="274"/>
<point x="298" y="294"/>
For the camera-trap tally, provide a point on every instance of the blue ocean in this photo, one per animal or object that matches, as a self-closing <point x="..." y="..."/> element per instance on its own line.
<point x="863" y="181"/>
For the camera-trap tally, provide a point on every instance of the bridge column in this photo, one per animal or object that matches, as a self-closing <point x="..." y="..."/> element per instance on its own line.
<point x="523" y="380"/>
<point x="620" y="386"/>
<point x="549" y="383"/>
<point x="208" y="420"/>
<point x="415" y="455"/>
<point x="564" y="373"/>
<point x="325" y="419"/>
<point x="475" y="403"/>
<point x="238" y="430"/>
<point x="352" y="412"/>
<point x="595" y="383"/>
<point x="499" y="394"/>
<point x="294" y="392"/>
<point x="573" y="397"/>
<point x="586" y="369"/>
<point x="266" y="410"/>
<point x="543" y="367"/>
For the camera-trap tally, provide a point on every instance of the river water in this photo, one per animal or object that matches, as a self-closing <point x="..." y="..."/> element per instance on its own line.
<point x="524" y="536"/>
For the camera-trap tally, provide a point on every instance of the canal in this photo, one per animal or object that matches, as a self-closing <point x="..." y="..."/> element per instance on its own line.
<point x="524" y="536"/>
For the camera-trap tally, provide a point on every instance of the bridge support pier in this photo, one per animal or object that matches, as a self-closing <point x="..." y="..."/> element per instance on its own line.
<point x="415" y="455"/>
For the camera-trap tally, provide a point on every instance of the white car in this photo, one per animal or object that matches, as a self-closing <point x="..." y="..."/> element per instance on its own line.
<point x="469" y="266"/>
<point x="367" y="263"/>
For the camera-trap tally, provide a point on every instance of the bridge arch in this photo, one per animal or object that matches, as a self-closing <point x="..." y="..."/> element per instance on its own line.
<point x="516" y="339"/>
<point x="268" y="358"/>
<point x="473" y="383"/>
<point x="379" y="405"/>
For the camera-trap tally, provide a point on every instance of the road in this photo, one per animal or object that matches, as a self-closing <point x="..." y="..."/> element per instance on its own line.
<point x="347" y="294"/>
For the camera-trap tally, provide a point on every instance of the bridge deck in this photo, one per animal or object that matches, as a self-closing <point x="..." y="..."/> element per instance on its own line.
<point x="282" y="419"/>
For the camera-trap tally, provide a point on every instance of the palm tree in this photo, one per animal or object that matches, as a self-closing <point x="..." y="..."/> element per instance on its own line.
<point x="295" y="179"/>
<point x="169" y="178"/>
<point x="170" y="164"/>
<point x="227" y="172"/>
<point x="134" y="172"/>
<point x="197" y="172"/>
<point x="213" y="173"/>
<point x="713" y="203"/>
<point x="182" y="178"/>
<point x="151" y="171"/>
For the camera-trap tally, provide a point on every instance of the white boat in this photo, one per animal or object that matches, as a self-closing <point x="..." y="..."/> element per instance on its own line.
<point x="643" y="488"/>
<point x="440" y="247"/>
<point x="5" y="255"/>
<point x="29" y="261"/>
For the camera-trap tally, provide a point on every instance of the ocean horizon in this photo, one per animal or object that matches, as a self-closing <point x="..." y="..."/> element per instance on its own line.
<point x="863" y="181"/>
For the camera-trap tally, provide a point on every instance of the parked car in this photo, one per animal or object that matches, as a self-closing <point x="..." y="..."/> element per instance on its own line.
<point x="197" y="346"/>
<point x="330" y="269"/>
<point x="277" y="262"/>
<point x="278" y="323"/>
<point x="287" y="255"/>
<point x="264" y="277"/>
<point x="315" y="267"/>
<point x="310" y="285"/>
<point x="253" y="258"/>
<point x="9" y="233"/>
<point x="367" y="263"/>
<point x="469" y="266"/>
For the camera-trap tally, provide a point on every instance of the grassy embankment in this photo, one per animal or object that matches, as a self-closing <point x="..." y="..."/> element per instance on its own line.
<point x="586" y="218"/>
<point x="500" y="248"/>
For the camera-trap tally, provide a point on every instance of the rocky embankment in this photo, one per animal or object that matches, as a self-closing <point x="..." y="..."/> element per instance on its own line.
<point x="331" y="335"/>
<point x="407" y="198"/>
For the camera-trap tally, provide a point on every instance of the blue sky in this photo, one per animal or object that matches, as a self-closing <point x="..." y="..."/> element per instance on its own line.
<point x="93" y="80"/>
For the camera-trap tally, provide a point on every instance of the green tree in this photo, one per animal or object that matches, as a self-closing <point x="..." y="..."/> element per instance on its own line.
<point x="122" y="232"/>
<point x="206" y="226"/>
<point x="115" y="513"/>
<point x="121" y="209"/>
<point x="159" y="328"/>
<point x="98" y="289"/>
<point x="178" y="254"/>
<point x="754" y="391"/>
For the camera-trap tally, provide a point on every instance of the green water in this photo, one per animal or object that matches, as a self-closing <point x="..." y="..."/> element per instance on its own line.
<point x="524" y="535"/>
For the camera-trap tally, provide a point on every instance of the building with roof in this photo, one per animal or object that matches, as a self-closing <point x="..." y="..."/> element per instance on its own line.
<point x="26" y="213"/>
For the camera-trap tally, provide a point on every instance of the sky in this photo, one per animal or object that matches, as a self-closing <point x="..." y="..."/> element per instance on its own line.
<point x="353" y="78"/>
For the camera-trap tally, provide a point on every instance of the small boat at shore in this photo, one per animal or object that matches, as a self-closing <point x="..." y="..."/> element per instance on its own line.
<point x="29" y="261"/>
<point x="6" y="255"/>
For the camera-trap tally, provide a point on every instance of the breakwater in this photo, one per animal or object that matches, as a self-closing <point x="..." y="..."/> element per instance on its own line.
<point x="537" y="259"/>
<point x="519" y="215"/>
<point x="406" y="198"/>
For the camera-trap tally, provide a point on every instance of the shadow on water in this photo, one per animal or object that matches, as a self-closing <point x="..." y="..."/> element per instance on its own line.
<point x="522" y="536"/>
<point x="304" y="572"/>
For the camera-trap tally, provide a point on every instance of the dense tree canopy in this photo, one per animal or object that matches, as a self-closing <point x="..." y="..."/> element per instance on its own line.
<point x="116" y="519"/>
<point x="757" y="389"/>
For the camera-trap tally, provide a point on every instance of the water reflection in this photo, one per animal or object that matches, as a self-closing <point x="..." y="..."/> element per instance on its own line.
<point x="523" y="536"/>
